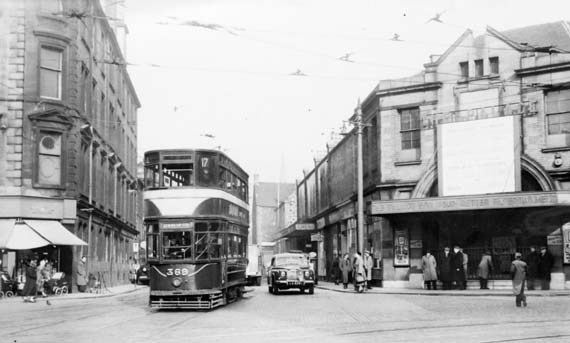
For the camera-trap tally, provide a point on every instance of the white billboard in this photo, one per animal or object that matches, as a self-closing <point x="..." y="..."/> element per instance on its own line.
<point x="479" y="156"/>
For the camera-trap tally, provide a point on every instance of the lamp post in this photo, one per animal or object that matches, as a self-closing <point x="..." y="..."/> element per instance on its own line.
<point x="360" y="181"/>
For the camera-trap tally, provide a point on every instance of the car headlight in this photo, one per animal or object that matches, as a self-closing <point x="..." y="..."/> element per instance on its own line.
<point x="176" y="282"/>
<point x="283" y="273"/>
<point x="144" y="269"/>
<point x="307" y="274"/>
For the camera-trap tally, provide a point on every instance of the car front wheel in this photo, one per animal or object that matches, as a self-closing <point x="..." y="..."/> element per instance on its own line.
<point x="311" y="289"/>
<point x="275" y="290"/>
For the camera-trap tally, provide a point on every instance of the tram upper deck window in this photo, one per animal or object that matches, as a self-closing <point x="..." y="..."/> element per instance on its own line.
<point x="177" y="245"/>
<point x="177" y="174"/>
<point x="151" y="176"/>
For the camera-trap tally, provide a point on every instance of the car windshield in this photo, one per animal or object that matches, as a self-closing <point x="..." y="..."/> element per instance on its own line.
<point x="300" y="261"/>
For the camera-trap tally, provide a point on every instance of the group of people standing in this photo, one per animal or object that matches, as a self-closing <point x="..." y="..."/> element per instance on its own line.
<point x="452" y="269"/>
<point x="357" y="270"/>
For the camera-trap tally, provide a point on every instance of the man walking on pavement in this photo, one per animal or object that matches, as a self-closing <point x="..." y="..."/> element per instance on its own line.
<point x="82" y="274"/>
<point x="518" y="274"/>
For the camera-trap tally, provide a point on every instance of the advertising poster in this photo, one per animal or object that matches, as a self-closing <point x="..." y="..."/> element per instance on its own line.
<point x="401" y="248"/>
<point x="566" y="242"/>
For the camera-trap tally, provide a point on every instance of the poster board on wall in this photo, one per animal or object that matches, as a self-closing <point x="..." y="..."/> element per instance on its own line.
<point x="479" y="156"/>
<point x="401" y="248"/>
<point x="566" y="243"/>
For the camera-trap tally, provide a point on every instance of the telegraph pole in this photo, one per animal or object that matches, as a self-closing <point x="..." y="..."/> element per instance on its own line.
<point x="360" y="181"/>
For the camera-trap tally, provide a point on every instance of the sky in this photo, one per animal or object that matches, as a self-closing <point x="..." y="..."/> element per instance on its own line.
<point x="270" y="82"/>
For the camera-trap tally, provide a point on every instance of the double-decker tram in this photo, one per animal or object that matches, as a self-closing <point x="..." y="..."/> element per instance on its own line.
<point x="196" y="221"/>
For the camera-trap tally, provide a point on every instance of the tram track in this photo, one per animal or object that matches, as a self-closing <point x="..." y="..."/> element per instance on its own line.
<point x="453" y="326"/>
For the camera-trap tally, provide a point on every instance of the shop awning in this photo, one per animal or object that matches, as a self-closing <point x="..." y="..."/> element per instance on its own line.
<point x="54" y="232"/>
<point x="19" y="236"/>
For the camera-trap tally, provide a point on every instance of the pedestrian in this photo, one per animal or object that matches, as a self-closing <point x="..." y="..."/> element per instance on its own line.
<point x="518" y="274"/>
<point x="465" y="268"/>
<point x="445" y="269"/>
<point x="544" y="267"/>
<point x="30" y="287"/>
<point x="485" y="269"/>
<point x="429" y="268"/>
<point x="457" y="271"/>
<point x="368" y="264"/>
<point x="40" y="279"/>
<point x="336" y="269"/>
<point x="82" y="274"/>
<point x="346" y="269"/>
<point x="532" y="260"/>
<point x="359" y="272"/>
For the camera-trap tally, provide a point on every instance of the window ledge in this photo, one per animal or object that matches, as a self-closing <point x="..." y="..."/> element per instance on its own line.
<point x="478" y="78"/>
<point x="407" y="163"/>
<point x="564" y="148"/>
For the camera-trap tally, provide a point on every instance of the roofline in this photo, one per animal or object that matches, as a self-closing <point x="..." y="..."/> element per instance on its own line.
<point x="450" y="49"/>
<point x="98" y="9"/>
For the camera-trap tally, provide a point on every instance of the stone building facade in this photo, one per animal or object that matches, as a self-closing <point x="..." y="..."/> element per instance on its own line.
<point x="68" y="134"/>
<point x="472" y="151"/>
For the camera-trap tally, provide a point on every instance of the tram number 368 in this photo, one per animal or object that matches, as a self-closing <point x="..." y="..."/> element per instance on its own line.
<point x="177" y="271"/>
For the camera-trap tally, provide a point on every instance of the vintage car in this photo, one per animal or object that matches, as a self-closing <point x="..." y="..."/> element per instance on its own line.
<point x="143" y="274"/>
<point x="290" y="270"/>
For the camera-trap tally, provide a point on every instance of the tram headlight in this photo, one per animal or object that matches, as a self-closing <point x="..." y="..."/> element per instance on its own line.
<point x="176" y="282"/>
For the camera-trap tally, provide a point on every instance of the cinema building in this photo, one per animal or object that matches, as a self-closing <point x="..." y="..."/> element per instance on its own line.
<point x="474" y="150"/>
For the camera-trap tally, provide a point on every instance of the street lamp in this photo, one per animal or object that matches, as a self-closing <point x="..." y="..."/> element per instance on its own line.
<point x="360" y="181"/>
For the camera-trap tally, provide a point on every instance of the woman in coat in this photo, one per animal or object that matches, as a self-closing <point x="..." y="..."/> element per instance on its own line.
<point x="429" y="268"/>
<point x="30" y="287"/>
<point x="484" y="269"/>
<point x="346" y="269"/>
<point x="359" y="272"/>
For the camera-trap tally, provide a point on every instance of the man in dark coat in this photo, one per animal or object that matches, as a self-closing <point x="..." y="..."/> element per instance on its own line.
<point x="532" y="260"/>
<point x="544" y="267"/>
<point x="457" y="270"/>
<point x="445" y="269"/>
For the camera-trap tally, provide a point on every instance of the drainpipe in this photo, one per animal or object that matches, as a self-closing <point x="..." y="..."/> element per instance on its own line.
<point x="90" y="220"/>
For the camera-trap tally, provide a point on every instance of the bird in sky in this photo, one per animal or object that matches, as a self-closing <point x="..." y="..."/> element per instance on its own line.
<point x="346" y="57"/>
<point x="298" y="72"/>
<point x="396" y="38"/>
<point x="436" y="18"/>
<point x="209" y="135"/>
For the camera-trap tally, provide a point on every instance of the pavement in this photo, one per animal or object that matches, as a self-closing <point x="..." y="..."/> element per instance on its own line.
<point x="467" y="292"/>
<point x="103" y="293"/>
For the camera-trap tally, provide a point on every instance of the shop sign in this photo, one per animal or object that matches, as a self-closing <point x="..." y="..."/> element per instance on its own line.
<point x="380" y="207"/>
<point x="318" y="237"/>
<point x="401" y="248"/>
<point x="416" y="244"/>
<point x="305" y="227"/>
<point x="554" y="239"/>
<point x="566" y="240"/>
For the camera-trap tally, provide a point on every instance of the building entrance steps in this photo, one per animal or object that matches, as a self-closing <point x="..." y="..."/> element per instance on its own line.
<point x="501" y="288"/>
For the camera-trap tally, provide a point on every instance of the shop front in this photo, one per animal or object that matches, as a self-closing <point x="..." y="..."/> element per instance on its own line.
<point x="37" y="228"/>
<point x="500" y="223"/>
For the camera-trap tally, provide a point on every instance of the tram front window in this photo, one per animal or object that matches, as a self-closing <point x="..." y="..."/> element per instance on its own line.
<point x="177" y="174"/>
<point x="177" y="245"/>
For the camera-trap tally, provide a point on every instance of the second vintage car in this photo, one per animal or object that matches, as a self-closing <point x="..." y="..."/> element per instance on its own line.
<point x="290" y="270"/>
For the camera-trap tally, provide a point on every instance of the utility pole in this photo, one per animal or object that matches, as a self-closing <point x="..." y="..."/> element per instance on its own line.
<point x="360" y="181"/>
